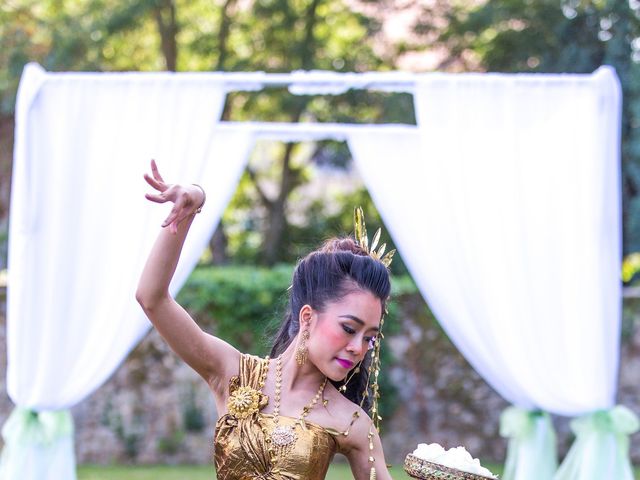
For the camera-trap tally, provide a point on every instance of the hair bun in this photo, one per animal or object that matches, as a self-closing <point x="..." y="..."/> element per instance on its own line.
<point x="345" y="244"/>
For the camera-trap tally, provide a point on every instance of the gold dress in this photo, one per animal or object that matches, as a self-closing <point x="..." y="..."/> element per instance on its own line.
<point x="242" y="440"/>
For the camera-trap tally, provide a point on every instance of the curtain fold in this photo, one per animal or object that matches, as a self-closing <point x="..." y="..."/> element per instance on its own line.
<point x="527" y="170"/>
<point x="531" y="452"/>
<point x="81" y="229"/>
<point x="506" y="209"/>
<point x="601" y="448"/>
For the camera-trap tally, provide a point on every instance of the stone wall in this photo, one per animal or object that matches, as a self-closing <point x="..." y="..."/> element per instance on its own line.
<point x="154" y="409"/>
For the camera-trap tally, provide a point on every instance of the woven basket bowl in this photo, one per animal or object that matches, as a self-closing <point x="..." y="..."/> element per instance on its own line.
<point x="419" y="468"/>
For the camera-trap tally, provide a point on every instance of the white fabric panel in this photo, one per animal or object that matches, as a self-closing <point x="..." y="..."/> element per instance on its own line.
<point x="37" y="446"/>
<point x="39" y="462"/>
<point x="309" y="132"/>
<point x="506" y="211"/>
<point x="80" y="227"/>
<point x="323" y="82"/>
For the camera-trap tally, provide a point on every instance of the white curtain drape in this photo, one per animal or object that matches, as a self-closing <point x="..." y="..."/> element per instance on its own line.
<point x="506" y="210"/>
<point x="505" y="206"/>
<point x="524" y="173"/>
<point x="81" y="229"/>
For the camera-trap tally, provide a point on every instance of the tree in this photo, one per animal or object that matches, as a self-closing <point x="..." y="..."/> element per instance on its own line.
<point x="285" y="35"/>
<point x="266" y="35"/>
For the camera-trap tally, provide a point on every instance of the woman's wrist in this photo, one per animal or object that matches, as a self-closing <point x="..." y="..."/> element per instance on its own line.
<point x="204" y="198"/>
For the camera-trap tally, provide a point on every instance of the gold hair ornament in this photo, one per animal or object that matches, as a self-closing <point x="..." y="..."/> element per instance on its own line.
<point x="360" y="231"/>
<point x="373" y="371"/>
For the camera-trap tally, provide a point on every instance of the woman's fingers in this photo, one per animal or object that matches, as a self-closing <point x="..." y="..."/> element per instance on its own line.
<point x="156" y="198"/>
<point x="178" y="214"/>
<point x="182" y="207"/>
<point x="170" y="219"/>
<point x="160" y="186"/>
<point x="155" y="179"/>
<point x="175" y="216"/>
<point x="156" y="172"/>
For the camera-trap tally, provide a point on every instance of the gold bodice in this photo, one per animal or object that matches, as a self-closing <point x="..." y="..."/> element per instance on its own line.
<point x="242" y="442"/>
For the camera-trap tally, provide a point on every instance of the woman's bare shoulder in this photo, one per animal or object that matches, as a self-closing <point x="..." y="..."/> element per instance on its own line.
<point x="344" y="416"/>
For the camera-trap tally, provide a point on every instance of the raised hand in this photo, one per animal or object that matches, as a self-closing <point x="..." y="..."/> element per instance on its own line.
<point x="186" y="199"/>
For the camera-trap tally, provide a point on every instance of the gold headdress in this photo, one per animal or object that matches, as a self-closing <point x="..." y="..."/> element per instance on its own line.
<point x="360" y="231"/>
<point x="363" y="241"/>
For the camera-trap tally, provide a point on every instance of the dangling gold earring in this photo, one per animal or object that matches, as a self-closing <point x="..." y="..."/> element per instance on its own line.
<point x="301" y="351"/>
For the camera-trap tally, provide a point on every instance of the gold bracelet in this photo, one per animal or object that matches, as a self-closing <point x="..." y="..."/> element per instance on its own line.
<point x="204" y="198"/>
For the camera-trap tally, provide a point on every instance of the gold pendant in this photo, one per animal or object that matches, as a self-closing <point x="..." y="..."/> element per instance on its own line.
<point x="283" y="436"/>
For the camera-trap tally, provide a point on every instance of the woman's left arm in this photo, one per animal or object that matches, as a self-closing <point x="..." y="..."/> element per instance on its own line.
<point x="363" y="445"/>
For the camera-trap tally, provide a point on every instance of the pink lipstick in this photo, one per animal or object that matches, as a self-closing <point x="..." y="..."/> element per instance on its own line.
<point x="345" y="363"/>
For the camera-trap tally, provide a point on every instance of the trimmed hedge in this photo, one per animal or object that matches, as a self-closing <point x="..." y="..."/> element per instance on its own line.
<point x="240" y="304"/>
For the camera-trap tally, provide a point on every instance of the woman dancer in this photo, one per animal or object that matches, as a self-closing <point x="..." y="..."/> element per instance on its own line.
<point x="284" y="417"/>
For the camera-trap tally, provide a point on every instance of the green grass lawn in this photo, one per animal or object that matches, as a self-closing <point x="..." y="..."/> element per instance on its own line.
<point x="338" y="471"/>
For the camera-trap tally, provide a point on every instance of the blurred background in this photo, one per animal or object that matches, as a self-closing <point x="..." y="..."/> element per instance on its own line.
<point x="291" y="197"/>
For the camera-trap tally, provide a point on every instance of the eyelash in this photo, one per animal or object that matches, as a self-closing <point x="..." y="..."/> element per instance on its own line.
<point x="370" y="340"/>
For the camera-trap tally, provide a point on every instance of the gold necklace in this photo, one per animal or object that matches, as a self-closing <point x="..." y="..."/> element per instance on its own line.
<point x="284" y="437"/>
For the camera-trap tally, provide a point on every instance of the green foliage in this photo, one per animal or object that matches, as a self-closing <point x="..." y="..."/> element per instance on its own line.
<point x="323" y="219"/>
<point x="131" y="444"/>
<point x="630" y="267"/>
<point x="194" y="420"/>
<point x="84" y="35"/>
<point x="324" y="223"/>
<point x="129" y="438"/>
<point x="274" y="35"/>
<point x="192" y="415"/>
<point x="129" y="433"/>
<point x="284" y="35"/>
<point x="266" y="35"/>
<point x="170" y="444"/>
<point x="238" y="303"/>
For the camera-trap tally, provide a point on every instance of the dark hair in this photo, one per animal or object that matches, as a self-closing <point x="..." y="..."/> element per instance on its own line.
<point x="329" y="274"/>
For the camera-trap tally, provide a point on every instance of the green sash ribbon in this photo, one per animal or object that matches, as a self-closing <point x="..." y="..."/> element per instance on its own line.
<point x="38" y="445"/>
<point x="28" y="427"/>
<point x="601" y="448"/>
<point x="531" y="452"/>
<point x="619" y="420"/>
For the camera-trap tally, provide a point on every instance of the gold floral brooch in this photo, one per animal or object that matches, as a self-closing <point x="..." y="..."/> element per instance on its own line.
<point x="243" y="402"/>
